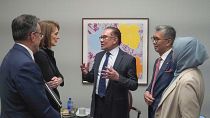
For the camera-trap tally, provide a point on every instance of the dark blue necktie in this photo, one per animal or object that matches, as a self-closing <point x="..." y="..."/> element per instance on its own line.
<point x="102" y="81"/>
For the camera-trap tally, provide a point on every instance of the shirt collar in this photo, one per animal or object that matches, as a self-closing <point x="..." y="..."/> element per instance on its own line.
<point x="28" y="49"/>
<point x="164" y="56"/>
<point x="114" y="51"/>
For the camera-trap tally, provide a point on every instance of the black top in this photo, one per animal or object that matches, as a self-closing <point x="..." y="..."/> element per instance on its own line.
<point x="46" y="61"/>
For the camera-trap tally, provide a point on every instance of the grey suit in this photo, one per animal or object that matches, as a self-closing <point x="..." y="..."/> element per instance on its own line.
<point x="116" y="98"/>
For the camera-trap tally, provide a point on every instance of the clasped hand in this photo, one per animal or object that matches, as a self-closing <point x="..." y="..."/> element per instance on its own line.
<point x="148" y="98"/>
<point x="54" y="82"/>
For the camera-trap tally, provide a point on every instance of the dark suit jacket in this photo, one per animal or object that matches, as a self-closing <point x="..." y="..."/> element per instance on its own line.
<point x="164" y="78"/>
<point x="22" y="88"/>
<point x="46" y="61"/>
<point x="116" y="98"/>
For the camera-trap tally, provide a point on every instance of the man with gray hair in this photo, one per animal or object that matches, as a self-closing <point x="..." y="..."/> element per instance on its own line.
<point x="21" y="83"/>
<point x="163" y="70"/>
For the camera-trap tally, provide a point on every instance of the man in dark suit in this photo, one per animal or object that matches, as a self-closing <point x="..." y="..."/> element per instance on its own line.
<point x="163" y="70"/>
<point x="119" y="76"/>
<point x="21" y="83"/>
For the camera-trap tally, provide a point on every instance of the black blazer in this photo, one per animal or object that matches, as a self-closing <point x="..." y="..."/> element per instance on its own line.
<point x="46" y="61"/>
<point x="116" y="98"/>
<point x="163" y="79"/>
<point x="22" y="88"/>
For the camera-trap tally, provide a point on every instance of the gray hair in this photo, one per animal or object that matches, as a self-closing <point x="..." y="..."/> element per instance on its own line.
<point x="23" y="25"/>
<point x="168" y="31"/>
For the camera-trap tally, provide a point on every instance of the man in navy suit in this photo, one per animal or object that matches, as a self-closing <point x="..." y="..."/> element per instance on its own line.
<point x="119" y="76"/>
<point x="21" y="83"/>
<point x="163" y="70"/>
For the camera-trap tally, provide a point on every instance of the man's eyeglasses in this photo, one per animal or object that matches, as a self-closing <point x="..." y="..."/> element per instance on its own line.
<point x="40" y="34"/>
<point x="105" y="37"/>
<point x="156" y="39"/>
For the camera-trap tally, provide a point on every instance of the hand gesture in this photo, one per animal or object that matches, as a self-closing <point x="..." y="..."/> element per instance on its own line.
<point x="110" y="73"/>
<point x="84" y="68"/>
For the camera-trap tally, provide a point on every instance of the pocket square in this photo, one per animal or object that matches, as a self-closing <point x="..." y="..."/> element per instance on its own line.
<point x="169" y="70"/>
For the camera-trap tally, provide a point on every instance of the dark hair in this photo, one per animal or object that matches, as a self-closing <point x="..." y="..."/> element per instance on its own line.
<point x="168" y="31"/>
<point x="116" y="32"/>
<point x="47" y="27"/>
<point x="23" y="25"/>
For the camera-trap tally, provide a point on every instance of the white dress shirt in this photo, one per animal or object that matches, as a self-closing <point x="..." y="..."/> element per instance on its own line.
<point x="163" y="57"/>
<point x="112" y="58"/>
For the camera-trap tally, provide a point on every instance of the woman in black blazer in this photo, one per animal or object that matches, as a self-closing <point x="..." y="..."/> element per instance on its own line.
<point x="46" y="60"/>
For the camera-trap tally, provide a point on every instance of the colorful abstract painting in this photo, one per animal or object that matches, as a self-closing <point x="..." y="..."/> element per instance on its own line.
<point x="134" y="37"/>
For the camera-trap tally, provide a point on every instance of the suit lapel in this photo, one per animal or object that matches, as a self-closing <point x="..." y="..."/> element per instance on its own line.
<point x="118" y="59"/>
<point x="172" y="86"/>
<point x="117" y="63"/>
<point x="168" y="90"/>
<point x="165" y="65"/>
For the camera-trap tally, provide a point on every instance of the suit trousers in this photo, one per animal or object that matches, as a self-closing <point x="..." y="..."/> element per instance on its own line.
<point x="100" y="107"/>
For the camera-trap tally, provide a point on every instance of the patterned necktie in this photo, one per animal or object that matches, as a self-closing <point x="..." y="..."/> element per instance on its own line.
<point x="157" y="66"/>
<point x="102" y="81"/>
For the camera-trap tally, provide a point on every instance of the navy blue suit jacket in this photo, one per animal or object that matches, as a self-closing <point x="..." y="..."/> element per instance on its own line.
<point x="22" y="88"/>
<point x="163" y="79"/>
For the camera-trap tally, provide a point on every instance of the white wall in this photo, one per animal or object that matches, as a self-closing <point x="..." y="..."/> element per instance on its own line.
<point x="189" y="17"/>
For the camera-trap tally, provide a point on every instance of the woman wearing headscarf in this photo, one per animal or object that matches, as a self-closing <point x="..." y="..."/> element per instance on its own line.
<point x="184" y="96"/>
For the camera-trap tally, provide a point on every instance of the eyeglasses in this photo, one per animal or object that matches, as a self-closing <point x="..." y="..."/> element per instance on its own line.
<point x="156" y="39"/>
<point x="40" y="34"/>
<point x="105" y="37"/>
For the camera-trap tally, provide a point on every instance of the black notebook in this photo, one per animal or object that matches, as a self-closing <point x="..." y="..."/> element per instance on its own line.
<point x="53" y="95"/>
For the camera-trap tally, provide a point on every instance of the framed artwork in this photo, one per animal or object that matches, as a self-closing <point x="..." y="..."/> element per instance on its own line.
<point x="134" y="37"/>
